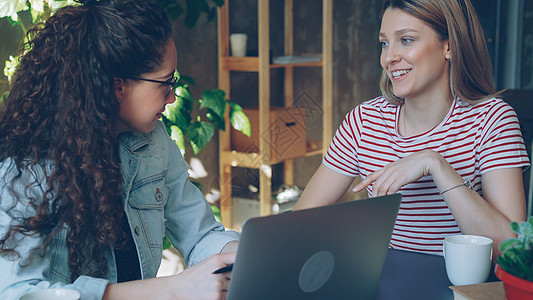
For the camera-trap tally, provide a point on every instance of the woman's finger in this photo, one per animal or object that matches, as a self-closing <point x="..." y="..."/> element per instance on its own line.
<point x="367" y="181"/>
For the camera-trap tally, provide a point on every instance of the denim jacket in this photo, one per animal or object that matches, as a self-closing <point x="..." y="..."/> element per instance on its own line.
<point x="159" y="200"/>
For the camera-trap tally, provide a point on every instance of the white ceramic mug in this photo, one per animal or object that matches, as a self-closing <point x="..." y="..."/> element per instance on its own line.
<point x="52" y="294"/>
<point x="468" y="258"/>
<point x="238" y="44"/>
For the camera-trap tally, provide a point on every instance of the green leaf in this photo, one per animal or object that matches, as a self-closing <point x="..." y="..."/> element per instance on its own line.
<point x="184" y="79"/>
<point x="234" y="106"/>
<point x="177" y="135"/>
<point x="216" y="119"/>
<point x="57" y="4"/>
<point x="13" y="22"/>
<point x="216" y="212"/>
<point x="11" y="7"/>
<point x="530" y="220"/>
<point x="214" y="100"/>
<point x="517" y="253"/>
<point x="198" y="5"/>
<point x="11" y="66"/>
<point x="218" y="3"/>
<point x="35" y="16"/>
<point x="167" y="123"/>
<point x="4" y="96"/>
<point x="197" y="185"/>
<point x="504" y="262"/>
<point x="183" y="92"/>
<point x="191" y="18"/>
<point x="515" y="227"/>
<point x="200" y="133"/>
<point x="179" y="112"/>
<point x="508" y="244"/>
<point x="36" y="9"/>
<point x="166" y="243"/>
<point x="526" y="231"/>
<point x="173" y="8"/>
<point x="215" y="209"/>
<point x="239" y="120"/>
<point x="178" y="76"/>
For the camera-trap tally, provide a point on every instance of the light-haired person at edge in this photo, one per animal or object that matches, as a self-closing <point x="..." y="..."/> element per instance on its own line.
<point x="439" y="135"/>
<point x="90" y="180"/>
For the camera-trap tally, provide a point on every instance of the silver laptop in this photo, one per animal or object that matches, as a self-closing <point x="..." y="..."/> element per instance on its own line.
<point x="330" y="252"/>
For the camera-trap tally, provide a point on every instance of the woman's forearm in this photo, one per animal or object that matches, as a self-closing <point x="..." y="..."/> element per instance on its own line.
<point x="325" y="187"/>
<point x="503" y="201"/>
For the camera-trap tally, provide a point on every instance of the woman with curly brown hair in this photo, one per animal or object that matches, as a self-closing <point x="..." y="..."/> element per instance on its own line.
<point x="90" y="181"/>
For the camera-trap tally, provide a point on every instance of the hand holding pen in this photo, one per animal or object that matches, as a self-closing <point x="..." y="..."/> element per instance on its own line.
<point x="225" y="269"/>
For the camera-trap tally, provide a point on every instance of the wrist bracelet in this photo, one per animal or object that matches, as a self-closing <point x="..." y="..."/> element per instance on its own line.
<point x="465" y="182"/>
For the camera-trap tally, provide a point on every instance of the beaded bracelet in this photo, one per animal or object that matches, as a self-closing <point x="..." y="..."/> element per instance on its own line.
<point x="465" y="182"/>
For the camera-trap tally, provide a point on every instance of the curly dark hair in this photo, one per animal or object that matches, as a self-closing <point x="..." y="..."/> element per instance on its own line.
<point x="62" y="110"/>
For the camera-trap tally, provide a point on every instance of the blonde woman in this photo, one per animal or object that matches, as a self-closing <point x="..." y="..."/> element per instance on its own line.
<point x="439" y="135"/>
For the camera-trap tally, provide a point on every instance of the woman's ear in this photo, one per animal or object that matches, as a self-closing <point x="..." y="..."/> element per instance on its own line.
<point x="447" y="50"/>
<point x="119" y="84"/>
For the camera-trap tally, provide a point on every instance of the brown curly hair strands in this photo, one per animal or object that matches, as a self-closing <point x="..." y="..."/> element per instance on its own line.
<point x="62" y="109"/>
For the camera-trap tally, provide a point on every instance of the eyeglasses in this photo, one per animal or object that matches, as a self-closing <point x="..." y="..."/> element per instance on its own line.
<point x="171" y="82"/>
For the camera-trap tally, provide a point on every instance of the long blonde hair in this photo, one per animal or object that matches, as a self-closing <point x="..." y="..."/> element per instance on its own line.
<point x="471" y="76"/>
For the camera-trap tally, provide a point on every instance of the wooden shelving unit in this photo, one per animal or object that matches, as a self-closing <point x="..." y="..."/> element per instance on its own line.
<point x="261" y="65"/>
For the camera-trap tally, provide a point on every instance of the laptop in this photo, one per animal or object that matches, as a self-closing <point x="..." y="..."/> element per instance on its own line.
<point x="329" y="252"/>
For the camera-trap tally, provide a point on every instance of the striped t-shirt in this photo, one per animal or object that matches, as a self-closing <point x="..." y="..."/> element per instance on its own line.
<point x="473" y="139"/>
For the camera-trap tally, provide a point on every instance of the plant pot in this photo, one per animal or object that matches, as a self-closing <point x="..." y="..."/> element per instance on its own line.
<point x="515" y="288"/>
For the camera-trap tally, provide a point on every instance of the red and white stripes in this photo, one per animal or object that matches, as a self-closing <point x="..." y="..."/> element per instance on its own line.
<point x="473" y="139"/>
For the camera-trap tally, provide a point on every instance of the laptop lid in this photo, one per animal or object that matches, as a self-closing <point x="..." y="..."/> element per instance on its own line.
<point x="329" y="252"/>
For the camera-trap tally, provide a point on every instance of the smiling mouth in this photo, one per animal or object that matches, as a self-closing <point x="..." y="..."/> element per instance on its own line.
<point x="399" y="73"/>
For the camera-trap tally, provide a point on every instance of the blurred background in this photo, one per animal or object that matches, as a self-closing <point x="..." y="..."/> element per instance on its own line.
<point x="508" y="26"/>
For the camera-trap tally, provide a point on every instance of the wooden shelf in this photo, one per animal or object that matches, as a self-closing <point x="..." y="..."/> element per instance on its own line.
<point x="261" y="64"/>
<point x="231" y="63"/>
<point x="251" y="160"/>
<point x="314" y="148"/>
<point x="251" y="64"/>
<point x="301" y="64"/>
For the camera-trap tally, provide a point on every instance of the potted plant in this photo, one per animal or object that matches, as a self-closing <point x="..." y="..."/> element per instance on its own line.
<point x="515" y="265"/>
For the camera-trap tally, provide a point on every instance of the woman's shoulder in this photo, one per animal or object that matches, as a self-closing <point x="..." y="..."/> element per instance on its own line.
<point x="488" y="107"/>
<point x="377" y="107"/>
<point x="485" y="104"/>
<point x="375" y="104"/>
<point x="27" y="171"/>
<point x="137" y="140"/>
<point x="7" y="170"/>
<point x="159" y="138"/>
<point x="26" y="180"/>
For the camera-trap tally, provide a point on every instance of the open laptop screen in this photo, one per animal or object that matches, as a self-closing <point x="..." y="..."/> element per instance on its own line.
<point x="329" y="252"/>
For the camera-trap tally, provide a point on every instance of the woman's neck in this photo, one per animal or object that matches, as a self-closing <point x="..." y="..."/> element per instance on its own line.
<point x="421" y="115"/>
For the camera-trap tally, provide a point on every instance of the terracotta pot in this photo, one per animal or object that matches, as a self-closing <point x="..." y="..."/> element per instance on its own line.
<point x="515" y="288"/>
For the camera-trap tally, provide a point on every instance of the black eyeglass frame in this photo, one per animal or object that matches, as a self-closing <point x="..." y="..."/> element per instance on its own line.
<point x="170" y="82"/>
